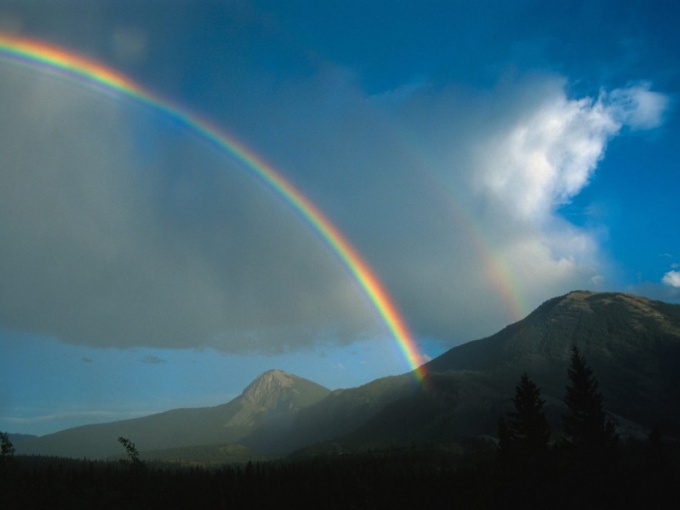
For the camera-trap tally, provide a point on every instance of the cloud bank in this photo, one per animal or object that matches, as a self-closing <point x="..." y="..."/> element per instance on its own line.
<point x="121" y="229"/>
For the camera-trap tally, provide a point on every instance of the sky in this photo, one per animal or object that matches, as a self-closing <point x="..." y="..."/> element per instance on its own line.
<point x="479" y="157"/>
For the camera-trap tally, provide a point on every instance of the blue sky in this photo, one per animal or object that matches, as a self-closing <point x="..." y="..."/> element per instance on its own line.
<point x="481" y="156"/>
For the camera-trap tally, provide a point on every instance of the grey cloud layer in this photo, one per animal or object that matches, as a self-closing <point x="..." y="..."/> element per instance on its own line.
<point x="118" y="229"/>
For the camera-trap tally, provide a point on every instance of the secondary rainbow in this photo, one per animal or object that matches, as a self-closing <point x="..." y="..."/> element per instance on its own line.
<point x="495" y="269"/>
<point x="33" y="51"/>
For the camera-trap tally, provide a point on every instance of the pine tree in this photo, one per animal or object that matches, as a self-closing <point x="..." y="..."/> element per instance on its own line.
<point x="523" y="450"/>
<point x="525" y="433"/>
<point x="589" y="432"/>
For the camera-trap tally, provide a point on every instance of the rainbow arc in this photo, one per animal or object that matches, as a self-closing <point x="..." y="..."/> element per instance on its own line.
<point x="93" y="72"/>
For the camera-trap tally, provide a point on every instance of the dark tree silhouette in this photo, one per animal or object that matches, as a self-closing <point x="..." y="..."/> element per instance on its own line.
<point x="525" y="432"/>
<point x="588" y="430"/>
<point x="590" y="447"/>
<point x="6" y="446"/>
<point x="7" y="464"/>
<point x="133" y="454"/>
<point x="524" y="474"/>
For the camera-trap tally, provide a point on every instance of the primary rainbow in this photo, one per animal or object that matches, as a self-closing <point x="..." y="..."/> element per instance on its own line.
<point x="95" y="73"/>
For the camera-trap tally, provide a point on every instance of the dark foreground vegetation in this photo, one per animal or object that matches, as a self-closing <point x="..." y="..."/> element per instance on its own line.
<point x="642" y="477"/>
<point x="586" y="466"/>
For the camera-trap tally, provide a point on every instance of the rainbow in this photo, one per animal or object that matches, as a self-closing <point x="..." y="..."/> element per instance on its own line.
<point x="94" y="73"/>
<point x="496" y="270"/>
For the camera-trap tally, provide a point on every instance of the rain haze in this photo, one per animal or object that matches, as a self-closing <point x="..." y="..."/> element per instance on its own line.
<point x="478" y="157"/>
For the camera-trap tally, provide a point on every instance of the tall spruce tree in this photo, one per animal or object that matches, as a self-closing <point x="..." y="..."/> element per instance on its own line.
<point x="524" y="462"/>
<point x="588" y="430"/>
<point x="525" y="432"/>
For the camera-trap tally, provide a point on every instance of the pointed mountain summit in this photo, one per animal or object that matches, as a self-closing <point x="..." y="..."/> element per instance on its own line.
<point x="276" y="389"/>
<point x="257" y="418"/>
<point x="269" y="405"/>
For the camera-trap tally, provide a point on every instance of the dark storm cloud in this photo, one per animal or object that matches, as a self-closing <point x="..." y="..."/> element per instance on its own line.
<point x="117" y="231"/>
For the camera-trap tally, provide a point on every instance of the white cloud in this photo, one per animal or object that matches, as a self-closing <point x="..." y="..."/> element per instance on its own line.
<point x="637" y="106"/>
<point x="598" y="280"/>
<point x="672" y="279"/>
<point x="536" y="150"/>
<point x="550" y="153"/>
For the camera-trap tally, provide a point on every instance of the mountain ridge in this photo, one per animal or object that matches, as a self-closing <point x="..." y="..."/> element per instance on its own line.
<point x="632" y="343"/>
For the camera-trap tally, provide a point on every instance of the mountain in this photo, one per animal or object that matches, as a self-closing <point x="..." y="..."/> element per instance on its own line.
<point x="631" y="343"/>
<point x="268" y="404"/>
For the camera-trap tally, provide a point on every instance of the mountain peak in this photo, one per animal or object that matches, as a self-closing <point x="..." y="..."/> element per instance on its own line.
<point x="277" y="387"/>
<point x="276" y="376"/>
<point x="639" y="313"/>
<point x="603" y="325"/>
<point x="580" y="294"/>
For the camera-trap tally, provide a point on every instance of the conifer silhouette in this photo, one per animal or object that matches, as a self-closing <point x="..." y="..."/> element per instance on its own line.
<point x="525" y="433"/>
<point x="587" y="427"/>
